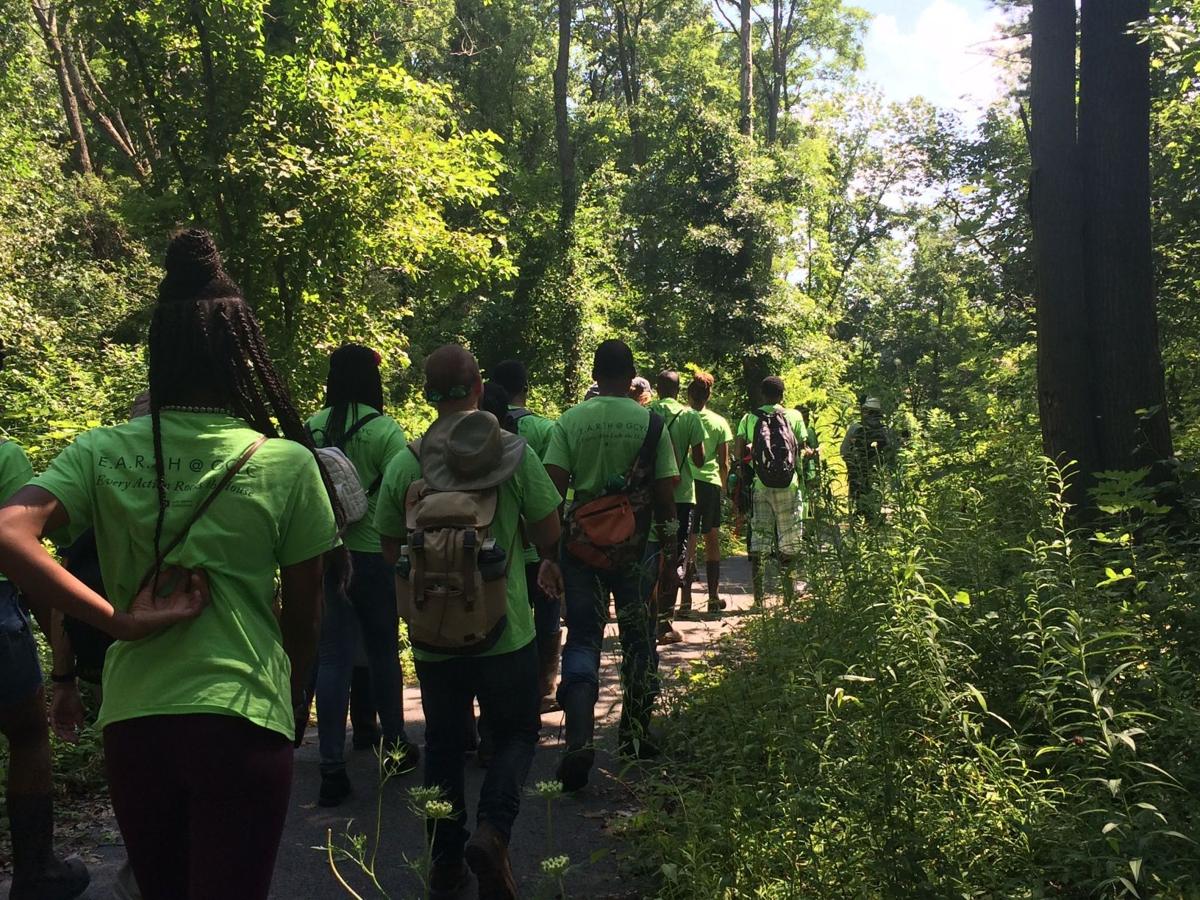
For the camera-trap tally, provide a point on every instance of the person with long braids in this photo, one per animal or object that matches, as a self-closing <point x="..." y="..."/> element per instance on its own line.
<point x="198" y="719"/>
<point x="353" y="421"/>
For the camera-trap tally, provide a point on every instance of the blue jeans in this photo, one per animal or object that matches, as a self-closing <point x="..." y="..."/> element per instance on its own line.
<point x="370" y="605"/>
<point x="506" y="685"/>
<point x="587" y="591"/>
<point x="20" y="671"/>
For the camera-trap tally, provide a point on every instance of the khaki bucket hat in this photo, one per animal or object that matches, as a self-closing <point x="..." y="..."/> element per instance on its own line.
<point x="468" y="451"/>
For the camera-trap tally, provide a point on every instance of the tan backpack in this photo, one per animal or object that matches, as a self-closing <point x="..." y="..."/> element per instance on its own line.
<point x="452" y="576"/>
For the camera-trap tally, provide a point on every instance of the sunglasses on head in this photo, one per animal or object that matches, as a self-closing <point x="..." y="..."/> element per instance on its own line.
<point x="458" y="392"/>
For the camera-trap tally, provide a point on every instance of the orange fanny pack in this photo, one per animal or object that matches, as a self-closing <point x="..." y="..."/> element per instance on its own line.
<point x="610" y="531"/>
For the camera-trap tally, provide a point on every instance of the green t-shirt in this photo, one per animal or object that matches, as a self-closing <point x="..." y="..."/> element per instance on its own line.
<point x="749" y="423"/>
<point x="15" y="471"/>
<point x="274" y="513"/>
<point x="687" y="431"/>
<point x="598" y="440"/>
<point x="370" y="449"/>
<point x="536" y="430"/>
<point x="716" y="433"/>
<point x="529" y="494"/>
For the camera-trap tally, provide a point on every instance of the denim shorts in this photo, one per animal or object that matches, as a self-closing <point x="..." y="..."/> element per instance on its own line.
<point x="20" y="671"/>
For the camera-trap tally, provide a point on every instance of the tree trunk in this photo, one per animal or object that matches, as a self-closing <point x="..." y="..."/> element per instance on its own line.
<point x="1114" y="141"/>
<point x="562" y="130"/>
<point x="213" y="126"/>
<point x="47" y="23"/>
<point x="628" y="62"/>
<point x="746" y="79"/>
<point x="1064" y="379"/>
<point x="88" y="93"/>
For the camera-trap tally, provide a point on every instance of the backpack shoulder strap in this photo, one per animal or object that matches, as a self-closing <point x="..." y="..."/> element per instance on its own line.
<point x="649" y="449"/>
<point x="356" y="428"/>
<point x="518" y="413"/>
<point x="679" y="457"/>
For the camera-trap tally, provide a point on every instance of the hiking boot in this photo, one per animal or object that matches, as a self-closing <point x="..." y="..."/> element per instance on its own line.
<point x="448" y="880"/>
<point x="574" y="768"/>
<point x="487" y="855"/>
<point x="37" y="873"/>
<point x="400" y="757"/>
<point x="335" y="787"/>
<point x="578" y="701"/>
<point x="716" y="605"/>
<point x="668" y="635"/>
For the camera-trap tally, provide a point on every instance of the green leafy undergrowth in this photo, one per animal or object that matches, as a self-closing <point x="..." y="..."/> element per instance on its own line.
<point x="973" y="700"/>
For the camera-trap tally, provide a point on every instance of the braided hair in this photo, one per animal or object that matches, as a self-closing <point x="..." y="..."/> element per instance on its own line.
<point x="354" y="379"/>
<point x="206" y="347"/>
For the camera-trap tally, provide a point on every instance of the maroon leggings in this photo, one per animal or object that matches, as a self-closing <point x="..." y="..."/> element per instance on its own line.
<point x="201" y="800"/>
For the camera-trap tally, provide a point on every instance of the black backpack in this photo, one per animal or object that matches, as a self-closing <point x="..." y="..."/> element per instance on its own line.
<point x="774" y="450"/>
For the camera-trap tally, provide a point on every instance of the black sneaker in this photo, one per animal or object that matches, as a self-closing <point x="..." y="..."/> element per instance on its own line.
<point x="335" y="787"/>
<point x="573" y="770"/>
<point x="401" y="757"/>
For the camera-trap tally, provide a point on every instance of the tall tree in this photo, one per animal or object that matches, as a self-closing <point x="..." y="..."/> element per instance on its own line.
<point x="742" y="28"/>
<point x="562" y="124"/>
<point x="1064" y="394"/>
<point x="802" y="41"/>
<point x="47" y="19"/>
<point x="1114" y="140"/>
<point x="1100" y="379"/>
<point x="746" y="74"/>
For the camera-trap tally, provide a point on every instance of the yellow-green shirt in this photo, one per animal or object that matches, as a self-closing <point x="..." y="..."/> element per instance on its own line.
<point x="536" y="430"/>
<point x="687" y="431"/>
<point x="528" y="494"/>
<point x="371" y="448"/>
<point x="716" y="433"/>
<point x="15" y="471"/>
<point x="274" y="513"/>
<point x="597" y="441"/>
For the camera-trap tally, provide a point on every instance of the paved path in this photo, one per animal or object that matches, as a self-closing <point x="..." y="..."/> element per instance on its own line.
<point x="582" y="824"/>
